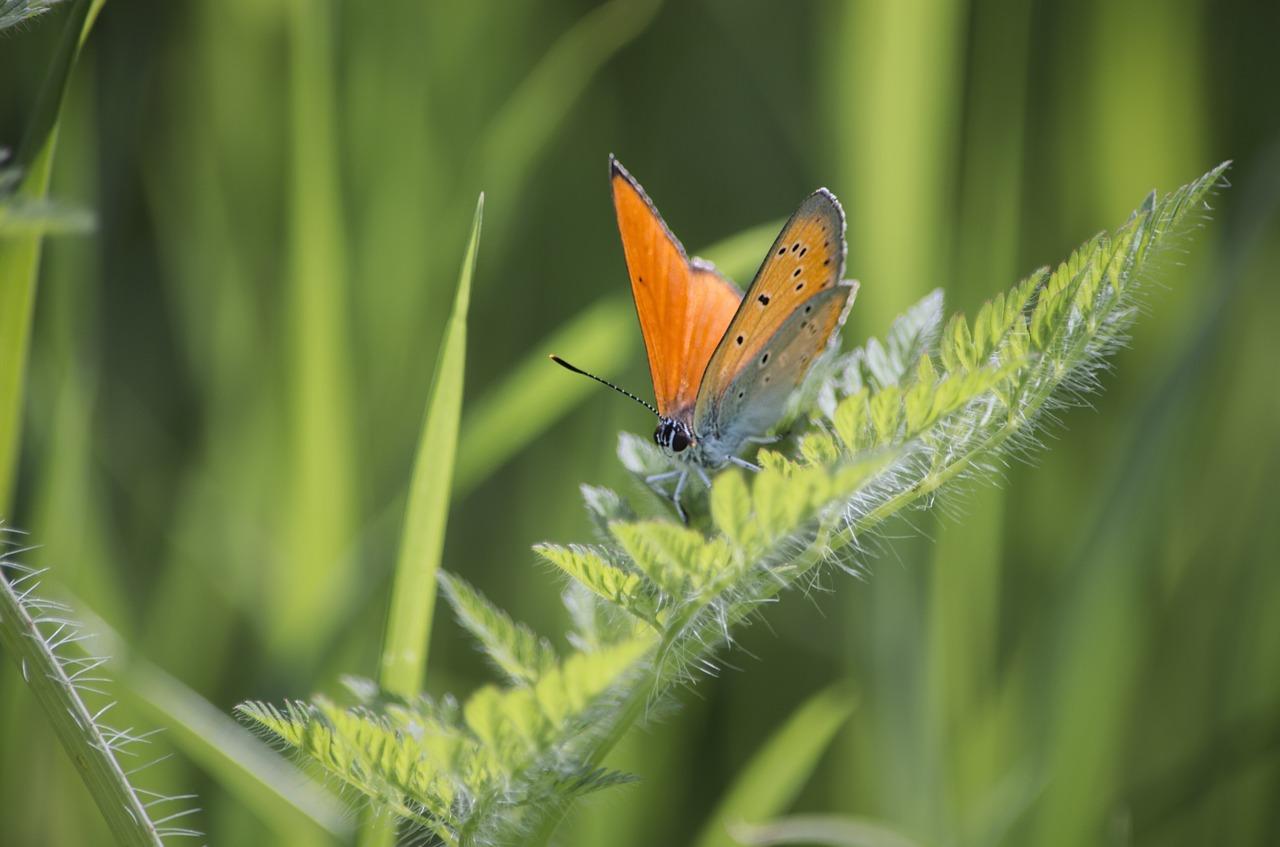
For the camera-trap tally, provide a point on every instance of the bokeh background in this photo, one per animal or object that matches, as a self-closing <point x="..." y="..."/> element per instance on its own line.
<point x="228" y="377"/>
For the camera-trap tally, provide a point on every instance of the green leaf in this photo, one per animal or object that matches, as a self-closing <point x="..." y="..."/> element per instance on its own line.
<point x="606" y="506"/>
<point x="886" y="414"/>
<point x="629" y="590"/>
<point x="731" y="508"/>
<point x="246" y="768"/>
<point x="668" y="554"/>
<point x="771" y="505"/>
<point x="310" y="577"/>
<point x="912" y="415"/>
<point x="371" y="755"/>
<point x="819" y="448"/>
<point x="514" y="648"/>
<point x="509" y="146"/>
<point x="917" y="404"/>
<point x="20" y="255"/>
<point x="413" y="589"/>
<point x="522" y="720"/>
<point x="774" y="775"/>
<point x="913" y="333"/>
<point x="534" y="395"/>
<point x="851" y="419"/>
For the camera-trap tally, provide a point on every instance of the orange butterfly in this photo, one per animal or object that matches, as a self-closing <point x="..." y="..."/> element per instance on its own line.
<point x="724" y="365"/>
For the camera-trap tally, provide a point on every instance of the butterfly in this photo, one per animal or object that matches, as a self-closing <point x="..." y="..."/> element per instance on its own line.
<point x="723" y="363"/>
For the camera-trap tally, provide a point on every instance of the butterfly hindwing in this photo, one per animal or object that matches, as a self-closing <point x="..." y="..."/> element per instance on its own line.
<point x="758" y="395"/>
<point x="684" y="306"/>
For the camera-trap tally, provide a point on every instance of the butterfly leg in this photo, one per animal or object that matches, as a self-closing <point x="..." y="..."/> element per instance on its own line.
<point x="757" y="439"/>
<point x="674" y="496"/>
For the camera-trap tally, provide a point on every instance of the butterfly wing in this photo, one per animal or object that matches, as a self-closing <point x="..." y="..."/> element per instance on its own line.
<point x="683" y="306"/>
<point x="788" y="316"/>
<point x="758" y="394"/>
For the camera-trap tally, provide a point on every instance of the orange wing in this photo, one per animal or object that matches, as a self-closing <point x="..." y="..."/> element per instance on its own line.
<point x="684" y="307"/>
<point x="806" y="258"/>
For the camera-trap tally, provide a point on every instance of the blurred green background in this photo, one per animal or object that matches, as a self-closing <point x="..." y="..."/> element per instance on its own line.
<point x="227" y="379"/>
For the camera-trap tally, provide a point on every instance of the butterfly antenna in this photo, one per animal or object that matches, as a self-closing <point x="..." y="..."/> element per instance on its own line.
<point x="562" y="363"/>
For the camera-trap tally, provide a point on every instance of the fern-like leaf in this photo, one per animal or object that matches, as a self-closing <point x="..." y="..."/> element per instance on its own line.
<point x="514" y="648"/>
<point x="894" y="423"/>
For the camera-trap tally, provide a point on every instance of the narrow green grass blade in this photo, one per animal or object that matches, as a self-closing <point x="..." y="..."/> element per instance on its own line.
<point x="20" y="256"/>
<point x="900" y="63"/>
<point x="535" y="395"/>
<point x="413" y="591"/>
<point x="770" y="781"/>
<point x="520" y="131"/>
<point x="277" y="792"/>
<point x="312" y="578"/>
<point x="966" y="582"/>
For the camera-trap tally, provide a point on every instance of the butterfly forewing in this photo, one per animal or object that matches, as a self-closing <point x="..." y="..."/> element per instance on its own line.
<point x="684" y="307"/>
<point x="806" y="260"/>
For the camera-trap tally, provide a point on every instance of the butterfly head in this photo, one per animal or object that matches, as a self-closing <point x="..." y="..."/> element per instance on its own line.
<point x="673" y="435"/>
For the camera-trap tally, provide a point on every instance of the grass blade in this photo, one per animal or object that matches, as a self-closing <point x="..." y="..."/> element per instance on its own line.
<point x="20" y="256"/>
<point x="770" y="781"/>
<point x="271" y="787"/>
<point x="312" y="579"/>
<point x="533" y="397"/>
<point x="413" y="591"/>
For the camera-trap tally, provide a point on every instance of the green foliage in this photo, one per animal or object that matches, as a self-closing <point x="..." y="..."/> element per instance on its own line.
<point x="41" y="638"/>
<point x="413" y="593"/>
<point x="24" y="184"/>
<point x="777" y="771"/>
<point x="14" y="12"/>
<point x="22" y="215"/>
<point x="474" y="772"/>
<point x="520" y="654"/>
<point x="209" y="406"/>
<point x="654" y="600"/>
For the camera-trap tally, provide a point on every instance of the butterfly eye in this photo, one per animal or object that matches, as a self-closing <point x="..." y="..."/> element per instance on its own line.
<point x="670" y="435"/>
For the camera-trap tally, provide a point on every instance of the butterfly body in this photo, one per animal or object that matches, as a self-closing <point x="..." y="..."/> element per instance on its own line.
<point x="723" y="363"/>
